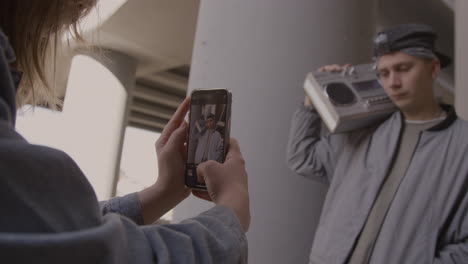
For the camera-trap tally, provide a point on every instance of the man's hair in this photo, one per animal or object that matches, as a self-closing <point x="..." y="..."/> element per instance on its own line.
<point x="31" y="26"/>
<point x="210" y="116"/>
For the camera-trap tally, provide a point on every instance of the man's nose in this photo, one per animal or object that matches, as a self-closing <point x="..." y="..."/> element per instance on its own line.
<point x="395" y="80"/>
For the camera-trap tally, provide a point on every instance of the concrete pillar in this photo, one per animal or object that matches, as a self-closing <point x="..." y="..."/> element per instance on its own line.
<point x="261" y="50"/>
<point x="461" y="58"/>
<point x="96" y="103"/>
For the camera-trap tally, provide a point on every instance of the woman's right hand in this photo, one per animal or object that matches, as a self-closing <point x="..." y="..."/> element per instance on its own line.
<point x="227" y="183"/>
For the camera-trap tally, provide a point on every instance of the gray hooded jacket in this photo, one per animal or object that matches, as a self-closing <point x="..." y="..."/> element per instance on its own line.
<point x="50" y="214"/>
<point x="427" y="221"/>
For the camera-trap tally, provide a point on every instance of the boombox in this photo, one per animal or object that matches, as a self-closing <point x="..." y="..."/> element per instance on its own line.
<point x="350" y="99"/>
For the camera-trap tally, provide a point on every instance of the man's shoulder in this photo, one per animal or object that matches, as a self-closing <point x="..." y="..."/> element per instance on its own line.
<point x="217" y="133"/>
<point x="460" y="127"/>
<point x="390" y="124"/>
<point x="462" y="124"/>
<point x="455" y="133"/>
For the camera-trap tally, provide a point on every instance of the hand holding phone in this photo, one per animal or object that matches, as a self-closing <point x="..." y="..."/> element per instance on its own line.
<point x="227" y="183"/>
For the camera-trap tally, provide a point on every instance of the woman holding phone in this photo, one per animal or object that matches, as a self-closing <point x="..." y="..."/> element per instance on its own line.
<point x="50" y="213"/>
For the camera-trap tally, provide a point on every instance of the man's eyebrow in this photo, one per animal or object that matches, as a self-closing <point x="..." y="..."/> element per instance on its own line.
<point x="382" y="69"/>
<point x="403" y="63"/>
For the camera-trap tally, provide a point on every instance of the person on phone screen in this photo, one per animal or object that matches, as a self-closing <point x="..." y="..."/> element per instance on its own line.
<point x="210" y="142"/>
<point x="397" y="189"/>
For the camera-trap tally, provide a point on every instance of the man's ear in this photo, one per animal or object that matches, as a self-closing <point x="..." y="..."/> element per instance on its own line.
<point x="435" y="67"/>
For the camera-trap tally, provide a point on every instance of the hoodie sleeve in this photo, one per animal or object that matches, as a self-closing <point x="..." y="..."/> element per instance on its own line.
<point x="310" y="154"/>
<point x="128" y="205"/>
<point x="214" y="236"/>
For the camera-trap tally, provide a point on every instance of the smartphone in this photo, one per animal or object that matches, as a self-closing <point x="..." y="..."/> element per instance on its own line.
<point x="208" y="131"/>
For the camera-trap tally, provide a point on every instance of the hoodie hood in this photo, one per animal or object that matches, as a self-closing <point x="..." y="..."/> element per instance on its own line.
<point x="9" y="81"/>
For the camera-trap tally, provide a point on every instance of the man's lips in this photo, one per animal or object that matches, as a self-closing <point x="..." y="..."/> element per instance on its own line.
<point x="398" y="96"/>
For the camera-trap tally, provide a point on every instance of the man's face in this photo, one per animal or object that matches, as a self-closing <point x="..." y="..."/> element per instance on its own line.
<point x="408" y="80"/>
<point x="210" y="123"/>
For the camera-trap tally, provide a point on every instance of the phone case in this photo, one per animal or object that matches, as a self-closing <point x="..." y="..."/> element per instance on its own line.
<point x="190" y="168"/>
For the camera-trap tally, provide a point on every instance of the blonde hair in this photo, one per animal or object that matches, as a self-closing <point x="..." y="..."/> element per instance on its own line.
<point x="34" y="28"/>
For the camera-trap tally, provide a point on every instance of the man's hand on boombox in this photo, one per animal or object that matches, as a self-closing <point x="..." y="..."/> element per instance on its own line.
<point x="333" y="68"/>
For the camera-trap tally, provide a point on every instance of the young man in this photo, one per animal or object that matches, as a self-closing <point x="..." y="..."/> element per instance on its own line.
<point x="210" y="143"/>
<point x="400" y="194"/>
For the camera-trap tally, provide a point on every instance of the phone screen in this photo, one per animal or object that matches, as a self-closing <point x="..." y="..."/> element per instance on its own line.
<point x="208" y="134"/>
